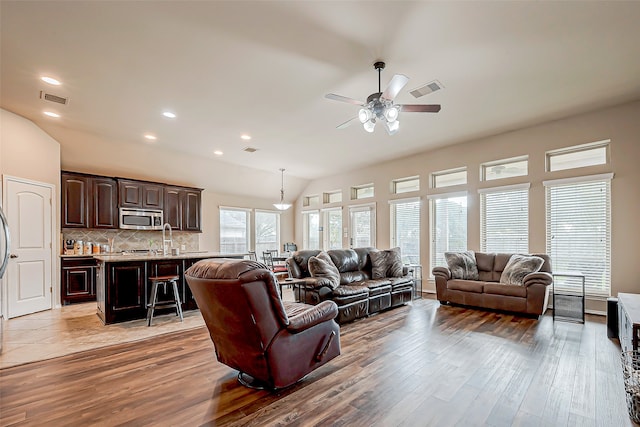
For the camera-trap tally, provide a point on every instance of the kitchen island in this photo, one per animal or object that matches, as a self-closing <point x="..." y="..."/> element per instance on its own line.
<point x="123" y="289"/>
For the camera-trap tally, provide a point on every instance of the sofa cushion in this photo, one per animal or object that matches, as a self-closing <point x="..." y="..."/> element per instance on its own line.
<point x="508" y="290"/>
<point x="518" y="267"/>
<point x="349" y="277"/>
<point x="344" y="259"/>
<point x="322" y="266"/>
<point x="386" y="263"/>
<point x="462" y="265"/>
<point x="351" y="290"/>
<point x="466" y="285"/>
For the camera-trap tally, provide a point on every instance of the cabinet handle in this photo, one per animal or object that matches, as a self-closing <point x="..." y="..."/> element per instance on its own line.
<point x="13" y="256"/>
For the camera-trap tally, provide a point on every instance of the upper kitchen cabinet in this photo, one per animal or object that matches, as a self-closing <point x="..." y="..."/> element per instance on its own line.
<point x="75" y="200"/>
<point x="139" y="194"/>
<point x="182" y="208"/>
<point x="103" y="212"/>
<point x="89" y="201"/>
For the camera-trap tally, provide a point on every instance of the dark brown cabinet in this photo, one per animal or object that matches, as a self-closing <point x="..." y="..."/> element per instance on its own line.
<point x="140" y="194"/>
<point x="182" y="208"/>
<point x="78" y="281"/>
<point x="75" y="200"/>
<point x="166" y="268"/>
<point x="124" y="295"/>
<point x="103" y="212"/>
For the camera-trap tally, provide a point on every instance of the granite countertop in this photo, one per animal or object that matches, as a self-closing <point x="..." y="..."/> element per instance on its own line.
<point x="119" y="257"/>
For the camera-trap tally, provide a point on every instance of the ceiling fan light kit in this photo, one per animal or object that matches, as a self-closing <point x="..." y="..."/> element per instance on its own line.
<point x="380" y="106"/>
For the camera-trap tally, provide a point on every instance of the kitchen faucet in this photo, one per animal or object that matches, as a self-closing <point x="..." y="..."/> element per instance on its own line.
<point x="166" y="250"/>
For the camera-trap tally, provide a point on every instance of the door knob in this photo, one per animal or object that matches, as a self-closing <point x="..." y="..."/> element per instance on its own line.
<point x="13" y="256"/>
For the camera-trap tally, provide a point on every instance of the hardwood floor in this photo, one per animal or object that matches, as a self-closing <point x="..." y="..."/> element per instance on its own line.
<point x="419" y="365"/>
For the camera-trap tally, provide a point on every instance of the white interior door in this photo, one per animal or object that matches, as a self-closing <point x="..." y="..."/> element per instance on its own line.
<point x="28" y="209"/>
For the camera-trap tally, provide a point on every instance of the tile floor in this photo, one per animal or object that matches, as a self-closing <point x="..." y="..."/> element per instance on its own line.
<point x="76" y="327"/>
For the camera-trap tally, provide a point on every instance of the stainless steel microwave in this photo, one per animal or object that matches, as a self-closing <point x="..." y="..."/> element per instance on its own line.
<point x="140" y="219"/>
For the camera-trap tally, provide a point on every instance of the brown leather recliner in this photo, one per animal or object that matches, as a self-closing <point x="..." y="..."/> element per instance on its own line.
<point x="273" y="343"/>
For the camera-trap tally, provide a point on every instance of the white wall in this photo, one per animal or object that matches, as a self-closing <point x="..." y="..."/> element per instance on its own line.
<point x="620" y="124"/>
<point x="28" y="152"/>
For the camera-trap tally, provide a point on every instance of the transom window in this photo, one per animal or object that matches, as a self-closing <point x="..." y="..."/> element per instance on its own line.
<point x="506" y="168"/>
<point x="332" y="197"/>
<point x="311" y="200"/>
<point x="449" y="178"/>
<point x="362" y="192"/>
<point x="578" y="156"/>
<point x="405" y="185"/>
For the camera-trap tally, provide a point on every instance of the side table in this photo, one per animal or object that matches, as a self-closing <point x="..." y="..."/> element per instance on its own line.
<point x="415" y="270"/>
<point x="568" y="305"/>
<point x="291" y="282"/>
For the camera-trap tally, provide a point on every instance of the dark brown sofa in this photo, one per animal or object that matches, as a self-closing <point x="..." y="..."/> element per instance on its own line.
<point x="272" y="343"/>
<point x="486" y="292"/>
<point x="358" y="294"/>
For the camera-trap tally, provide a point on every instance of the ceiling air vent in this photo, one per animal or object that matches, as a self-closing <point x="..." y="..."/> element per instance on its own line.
<point x="250" y="149"/>
<point x="53" y="98"/>
<point x="426" y="89"/>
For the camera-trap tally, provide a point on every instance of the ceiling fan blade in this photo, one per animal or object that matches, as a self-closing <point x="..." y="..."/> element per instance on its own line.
<point x="395" y="86"/>
<point x="347" y="123"/>
<point x="420" y="108"/>
<point x="341" y="98"/>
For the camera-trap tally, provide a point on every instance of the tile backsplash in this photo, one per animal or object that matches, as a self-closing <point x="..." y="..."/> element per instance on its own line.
<point x="125" y="240"/>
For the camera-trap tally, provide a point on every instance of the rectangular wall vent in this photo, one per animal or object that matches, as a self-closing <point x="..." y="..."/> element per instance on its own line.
<point x="250" y="149"/>
<point x="53" y="98"/>
<point x="426" y="89"/>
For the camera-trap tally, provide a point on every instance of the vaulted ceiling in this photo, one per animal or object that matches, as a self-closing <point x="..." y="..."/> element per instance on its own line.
<point x="263" y="68"/>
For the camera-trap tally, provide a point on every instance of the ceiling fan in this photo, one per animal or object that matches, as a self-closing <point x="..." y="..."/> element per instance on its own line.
<point x="380" y="106"/>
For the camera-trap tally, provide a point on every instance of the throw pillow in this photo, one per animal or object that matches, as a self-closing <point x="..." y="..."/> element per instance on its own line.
<point x="519" y="266"/>
<point x="386" y="263"/>
<point x="462" y="265"/>
<point x="322" y="266"/>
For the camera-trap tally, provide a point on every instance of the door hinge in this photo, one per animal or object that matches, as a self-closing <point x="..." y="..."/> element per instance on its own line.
<point x="51" y="289"/>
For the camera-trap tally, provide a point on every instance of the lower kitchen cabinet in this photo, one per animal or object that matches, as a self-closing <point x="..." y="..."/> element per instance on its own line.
<point x="78" y="281"/>
<point x="123" y="297"/>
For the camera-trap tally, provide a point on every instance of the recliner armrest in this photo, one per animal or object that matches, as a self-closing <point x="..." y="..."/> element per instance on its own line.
<point x="443" y="272"/>
<point x="540" y="278"/>
<point x="326" y="310"/>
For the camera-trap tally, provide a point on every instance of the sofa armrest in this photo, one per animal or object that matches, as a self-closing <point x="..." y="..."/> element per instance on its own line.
<point x="539" y="278"/>
<point x="326" y="310"/>
<point x="443" y="272"/>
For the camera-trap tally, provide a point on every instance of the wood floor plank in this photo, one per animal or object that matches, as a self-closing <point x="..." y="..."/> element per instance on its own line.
<point x="423" y="364"/>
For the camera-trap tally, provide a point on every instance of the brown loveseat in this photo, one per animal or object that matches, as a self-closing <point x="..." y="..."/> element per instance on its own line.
<point x="273" y="343"/>
<point x="358" y="293"/>
<point x="487" y="292"/>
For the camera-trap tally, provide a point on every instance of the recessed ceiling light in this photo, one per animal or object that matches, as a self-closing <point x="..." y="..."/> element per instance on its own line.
<point x="51" y="81"/>
<point x="151" y="137"/>
<point x="245" y="137"/>
<point x="169" y="114"/>
<point x="218" y="153"/>
<point x="51" y="114"/>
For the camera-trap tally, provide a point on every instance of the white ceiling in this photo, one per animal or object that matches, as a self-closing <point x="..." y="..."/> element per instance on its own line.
<point x="263" y="68"/>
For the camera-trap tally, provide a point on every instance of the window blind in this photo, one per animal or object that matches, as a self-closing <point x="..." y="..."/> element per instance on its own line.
<point x="234" y="230"/>
<point x="504" y="220"/>
<point x="579" y="232"/>
<point x="448" y="227"/>
<point x="405" y="229"/>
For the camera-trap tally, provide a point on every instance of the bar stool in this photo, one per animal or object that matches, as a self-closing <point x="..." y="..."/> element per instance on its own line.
<point x="163" y="280"/>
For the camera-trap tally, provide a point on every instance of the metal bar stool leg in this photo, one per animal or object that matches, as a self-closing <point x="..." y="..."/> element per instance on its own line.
<point x="151" y="306"/>
<point x="176" y="297"/>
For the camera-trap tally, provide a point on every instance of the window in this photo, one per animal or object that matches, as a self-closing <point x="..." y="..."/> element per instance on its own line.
<point x="332" y="234"/>
<point x="448" y="226"/>
<point x="267" y="231"/>
<point x="311" y="230"/>
<point x="578" y="156"/>
<point x="405" y="185"/>
<point x="234" y="230"/>
<point x="332" y="197"/>
<point x="311" y="200"/>
<point x="579" y="229"/>
<point x="405" y="229"/>
<point x="506" y="168"/>
<point x="504" y="219"/>
<point x="362" y="192"/>
<point x="362" y="226"/>
<point x="449" y="178"/>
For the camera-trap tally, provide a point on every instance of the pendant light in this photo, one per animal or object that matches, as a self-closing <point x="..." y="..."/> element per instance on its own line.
<point x="282" y="206"/>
